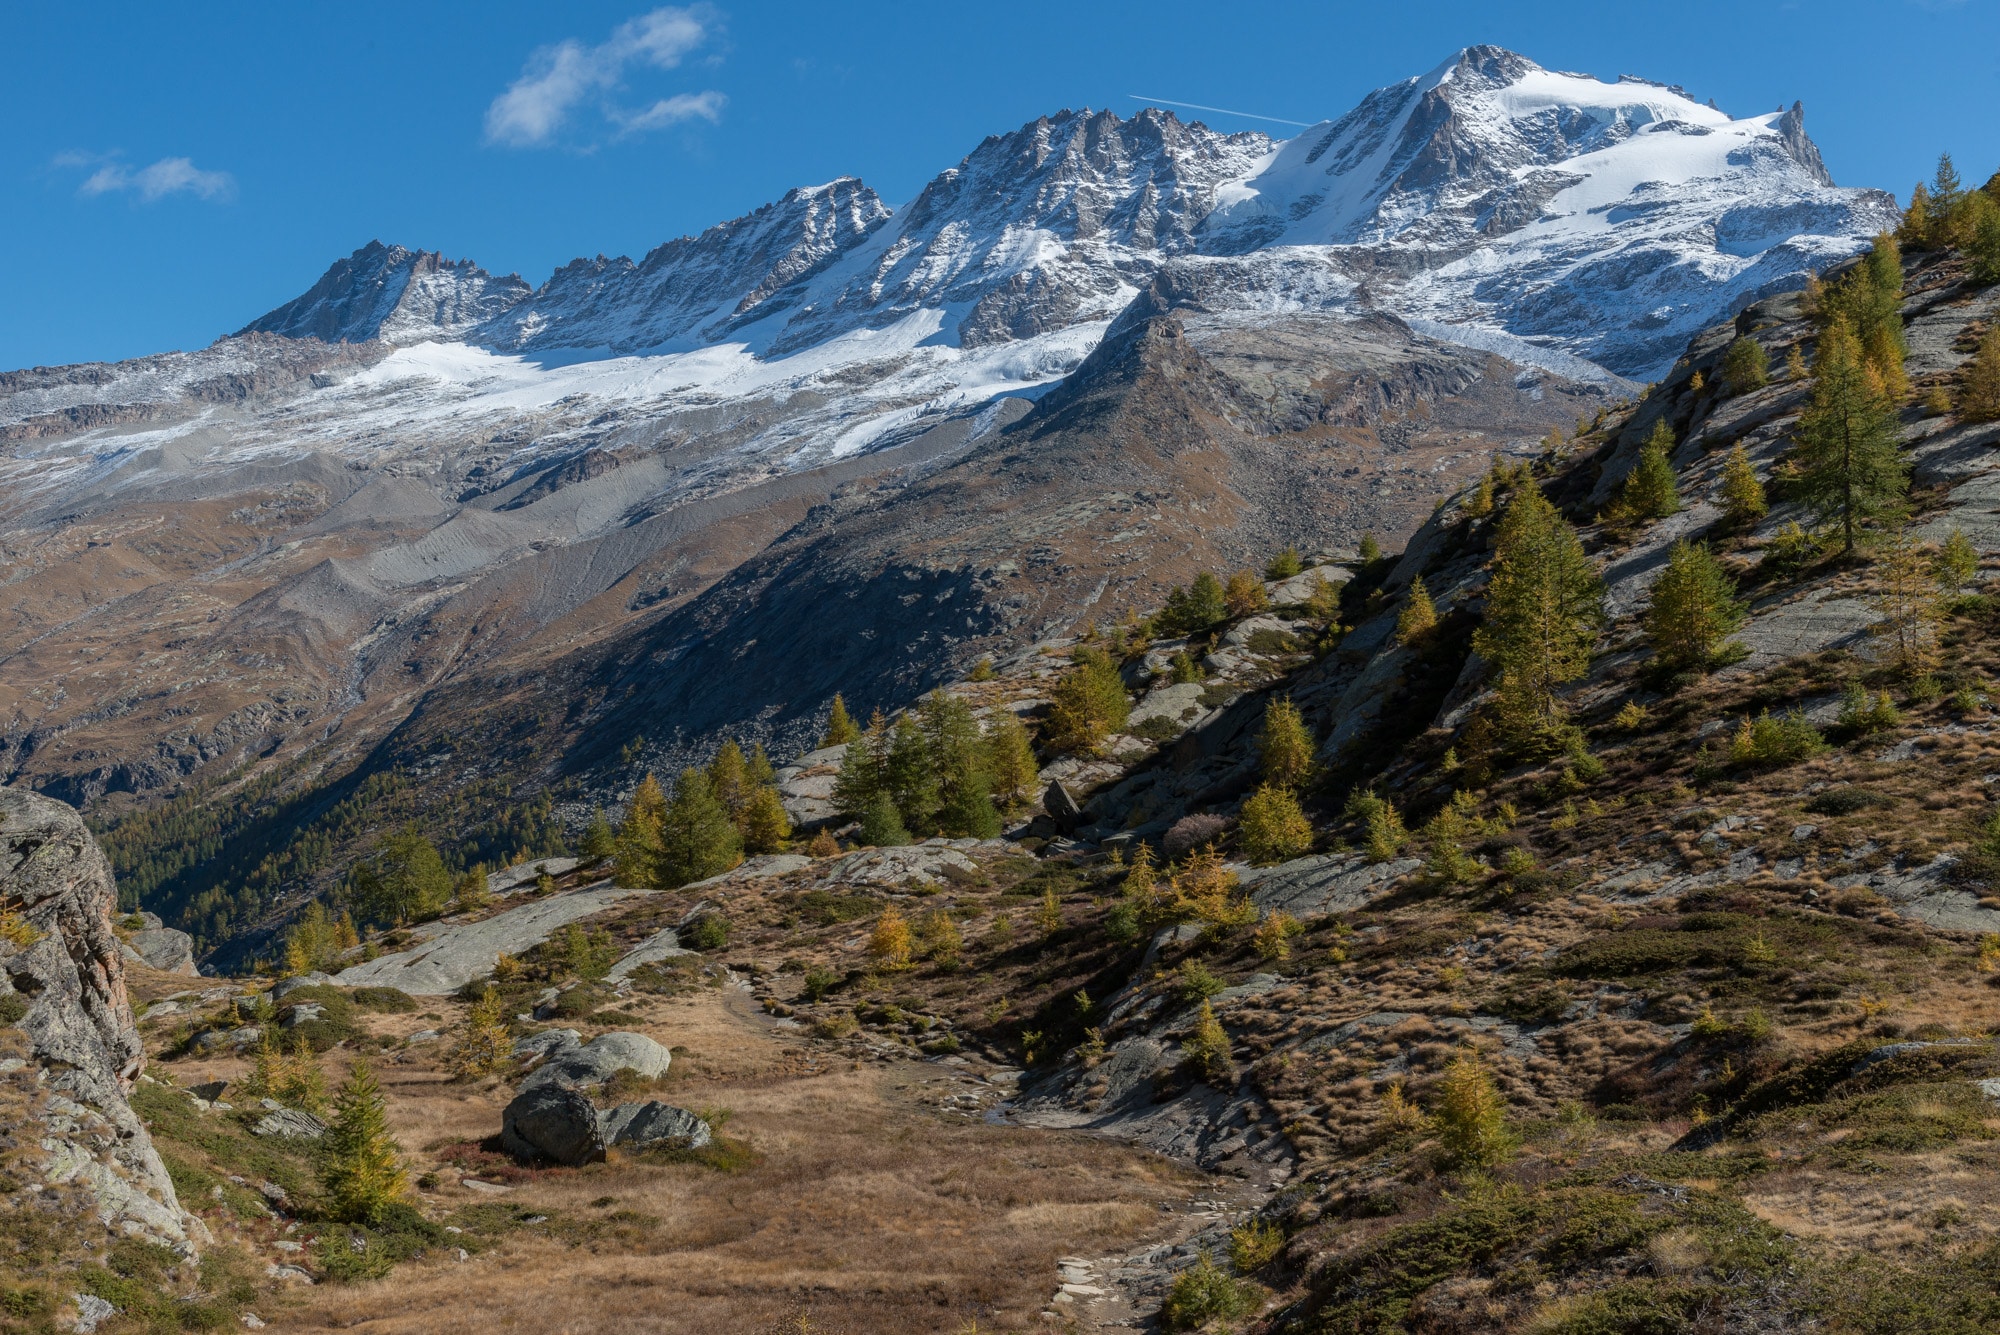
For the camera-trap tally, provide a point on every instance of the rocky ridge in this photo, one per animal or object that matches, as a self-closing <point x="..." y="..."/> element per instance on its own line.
<point x="74" y="1051"/>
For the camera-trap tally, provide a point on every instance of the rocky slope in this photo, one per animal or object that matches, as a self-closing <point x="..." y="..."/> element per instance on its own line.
<point x="73" y="1146"/>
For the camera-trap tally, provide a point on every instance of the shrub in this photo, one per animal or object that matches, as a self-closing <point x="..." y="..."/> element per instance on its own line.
<point x="1273" y="937"/>
<point x="708" y="932"/>
<point x="1443" y="840"/>
<point x="1769" y="742"/>
<point x="824" y="845"/>
<point x="1197" y="982"/>
<point x="1863" y="712"/>
<point x="890" y="943"/>
<point x="1191" y="832"/>
<point x="1385" y="833"/>
<point x="1272" y="827"/>
<point x="1255" y="1244"/>
<point x="819" y="981"/>
<point x="1203" y="1293"/>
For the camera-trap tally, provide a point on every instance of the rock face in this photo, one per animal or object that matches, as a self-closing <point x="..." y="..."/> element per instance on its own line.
<point x="60" y="966"/>
<point x="162" y="948"/>
<point x="456" y="954"/>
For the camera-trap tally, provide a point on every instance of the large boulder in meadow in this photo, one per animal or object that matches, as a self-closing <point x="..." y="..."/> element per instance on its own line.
<point x="554" y="1122"/>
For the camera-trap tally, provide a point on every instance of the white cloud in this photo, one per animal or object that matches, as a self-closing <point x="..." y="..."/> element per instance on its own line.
<point x="558" y="79"/>
<point x="671" y="111"/>
<point x="168" y="176"/>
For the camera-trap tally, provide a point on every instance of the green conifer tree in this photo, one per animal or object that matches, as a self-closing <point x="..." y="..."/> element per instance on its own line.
<point x="1746" y="366"/>
<point x="1208" y="600"/>
<point x="1544" y="608"/>
<point x="361" y="1173"/>
<point x="1957" y="562"/>
<point x="1284" y="565"/>
<point x="599" y="840"/>
<point x="1946" y="189"/>
<point x="697" y="838"/>
<point x="1694" y="608"/>
<point x="910" y="776"/>
<point x="1850" y="469"/>
<point x="757" y="769"/>
<point x="882" y="825"/>
<point x="860" y="778"/>
<point x="1370" y="550"/>
<point x="1650" y="490"/>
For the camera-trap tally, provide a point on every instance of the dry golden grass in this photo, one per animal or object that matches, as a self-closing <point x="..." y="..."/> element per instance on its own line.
<point x="862" y="1211"/>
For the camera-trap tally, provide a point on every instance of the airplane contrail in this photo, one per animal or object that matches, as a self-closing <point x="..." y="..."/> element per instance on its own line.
<point x="1168" y="101"/>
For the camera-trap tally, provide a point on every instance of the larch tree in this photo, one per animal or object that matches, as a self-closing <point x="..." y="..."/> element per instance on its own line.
<point x="729" y="776"/>
<point x="1743" y="502"/>
<point x="1694" y="608"/>
<point x="638" y="852"/>
<point x="1979" y="392"/>
<point x="840" y="726"/>
<point x="1285" y="746"/>
<point x="360" y="1172"/>
<point x="1419" y="615"/>
<point x="1012" y="757"/>
<point x="1650" y="490"/>
<point x="1244" y="594"/>
<point x="764" y="825"/>
<point x="1544" y="609"/>
<point x="1851" y="472"/>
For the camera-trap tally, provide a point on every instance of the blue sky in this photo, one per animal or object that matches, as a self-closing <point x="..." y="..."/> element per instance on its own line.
<point x="171" y="172"/>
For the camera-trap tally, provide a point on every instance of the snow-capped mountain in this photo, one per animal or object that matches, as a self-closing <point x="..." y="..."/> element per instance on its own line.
<point x="1612" y="219"/>
<point x="1606" y="220"/>
<point x="419" y="472"/>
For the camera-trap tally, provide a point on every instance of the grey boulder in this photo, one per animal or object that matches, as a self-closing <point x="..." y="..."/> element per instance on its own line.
<point x="162" y="948"/>
<point x="552" y="1121"/>
<point x="654" y="1124"/>
<point x="287" y="986"/>
<point x="289" y="1124"/>
<point x="598" y="1060"/>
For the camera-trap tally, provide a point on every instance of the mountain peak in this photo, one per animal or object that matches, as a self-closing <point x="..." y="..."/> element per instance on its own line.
<point x="395" y="294"/>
